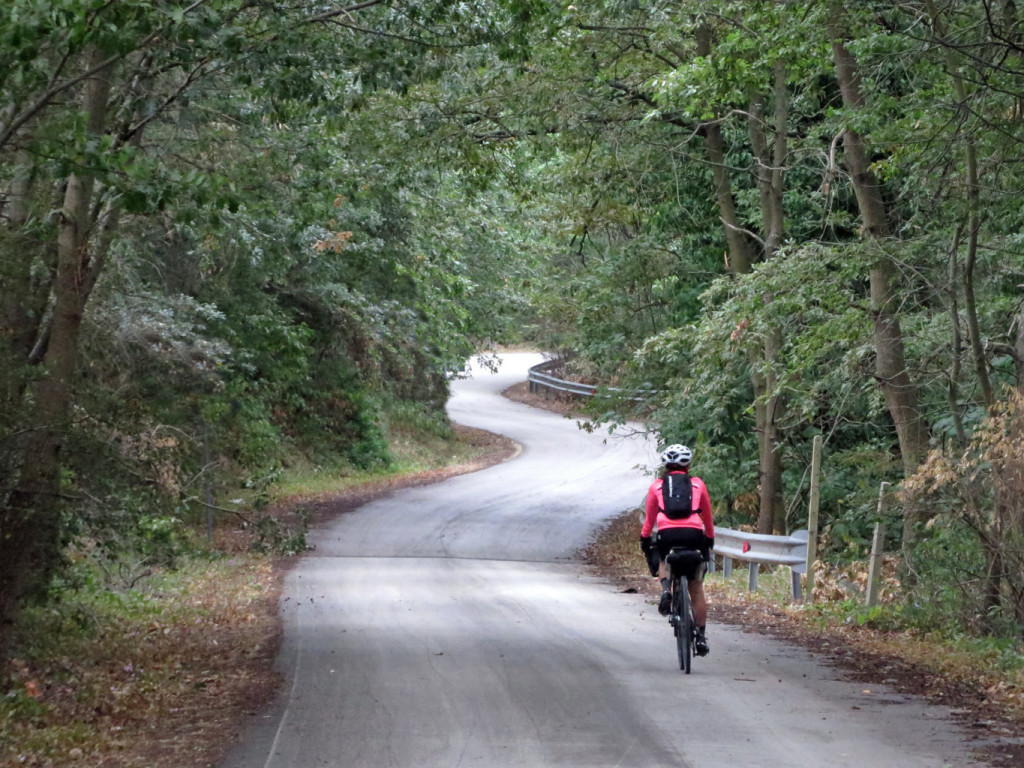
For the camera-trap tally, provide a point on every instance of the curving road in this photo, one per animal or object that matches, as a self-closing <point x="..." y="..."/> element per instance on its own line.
<point x="451" y="625"/>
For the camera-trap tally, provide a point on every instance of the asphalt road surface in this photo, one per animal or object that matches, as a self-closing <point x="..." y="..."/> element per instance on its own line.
<point x="453" y="625"/>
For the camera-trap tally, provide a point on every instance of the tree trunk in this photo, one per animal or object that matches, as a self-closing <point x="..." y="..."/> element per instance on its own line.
<point x="970" y="301"/>
<point x="772" y="513"/>
<point x="953" y="391"/>
<point x="30" y="527"/>
<point x="1018" y="349"/>
<point x="739" y="257"/>
<point x="23" y="294"/>
<point x="769" y="176"/>
<point x="767" y="405"/>
<point x="1011" y="22"/>
<point x="739" y="260"/>
<point x="973" y="215"/>
<point x="900" y="392"/>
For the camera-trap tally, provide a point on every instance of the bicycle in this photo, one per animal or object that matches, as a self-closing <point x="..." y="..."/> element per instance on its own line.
<point x="682" y="565"/>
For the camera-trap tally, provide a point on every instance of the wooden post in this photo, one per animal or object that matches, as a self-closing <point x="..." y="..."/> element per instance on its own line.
<point x="875" y="569"/>
<point x="209" y="484"/>
<point x="812" y="516"/>
<point x="877" y="542"/>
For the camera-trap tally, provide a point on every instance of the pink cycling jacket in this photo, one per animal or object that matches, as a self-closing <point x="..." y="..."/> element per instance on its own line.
<point x="655" y="511"/>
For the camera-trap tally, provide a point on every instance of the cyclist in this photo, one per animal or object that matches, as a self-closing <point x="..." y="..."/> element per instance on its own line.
<point x="693" y="528"/>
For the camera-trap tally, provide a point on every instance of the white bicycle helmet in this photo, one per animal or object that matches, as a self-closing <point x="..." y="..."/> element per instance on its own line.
<point x="677" y="454"/>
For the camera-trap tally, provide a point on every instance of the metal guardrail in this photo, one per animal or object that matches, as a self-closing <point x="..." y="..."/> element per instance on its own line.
<point x="760" y="548"/>
<point x="539" y="378"/>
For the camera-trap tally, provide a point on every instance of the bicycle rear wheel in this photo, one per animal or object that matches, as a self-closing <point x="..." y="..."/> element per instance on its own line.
<point x="683" y="622"/>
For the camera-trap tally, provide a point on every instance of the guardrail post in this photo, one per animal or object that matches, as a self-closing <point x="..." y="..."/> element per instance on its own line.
<point x="726" y="566"/>
<point x="794" y="578"/>
<point x="797" y="570"/>
<point x="752" y="571"/>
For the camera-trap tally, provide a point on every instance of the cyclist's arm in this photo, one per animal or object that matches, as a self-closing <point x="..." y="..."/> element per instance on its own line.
<point x="706" y="515"/>
<point x="651" y="510"/>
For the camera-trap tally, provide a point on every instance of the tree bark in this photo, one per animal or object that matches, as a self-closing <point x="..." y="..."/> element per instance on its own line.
<point x="769" y="162"/>
<point x="900" y="391"/>
<point x="24" y="288"/>
<point x="768" y="410"/>
<point x="1018" y="350"/>
<point x="970" y="300"/>
<point x="30" y="527"/>
<point x="973" y="181"/>
<point x="953" y="391"/>
<point x="739" y="257"/>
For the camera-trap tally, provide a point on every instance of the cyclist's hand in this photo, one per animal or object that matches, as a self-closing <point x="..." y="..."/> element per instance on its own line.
<point x="645" y="544"/>
<point x="711" y="541"/>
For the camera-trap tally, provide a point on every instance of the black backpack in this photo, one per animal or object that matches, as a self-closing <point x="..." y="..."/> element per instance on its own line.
<point x="678" y="495"/>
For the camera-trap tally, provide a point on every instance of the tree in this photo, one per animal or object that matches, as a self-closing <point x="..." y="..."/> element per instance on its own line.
<point x="116" y="116"/>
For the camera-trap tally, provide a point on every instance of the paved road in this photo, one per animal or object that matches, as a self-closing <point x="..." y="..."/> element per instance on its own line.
<point x="451" y="625"/>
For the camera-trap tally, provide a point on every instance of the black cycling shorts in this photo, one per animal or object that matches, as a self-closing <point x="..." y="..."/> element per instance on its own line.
<point x="691" y="538"/>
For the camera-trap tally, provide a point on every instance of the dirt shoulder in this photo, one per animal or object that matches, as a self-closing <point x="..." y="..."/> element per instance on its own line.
<point x="557" y="403"/>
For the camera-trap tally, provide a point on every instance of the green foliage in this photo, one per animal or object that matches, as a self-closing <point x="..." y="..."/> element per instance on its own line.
<point x="303" y="220"/>
<point x="884" y="617"/>
<point x="945" y="596"/>
<point x="634" y="282"/>
<point x="291" y="243"/>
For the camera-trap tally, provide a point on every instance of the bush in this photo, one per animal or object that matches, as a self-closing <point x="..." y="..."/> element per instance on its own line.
<point x="976" y="530"/>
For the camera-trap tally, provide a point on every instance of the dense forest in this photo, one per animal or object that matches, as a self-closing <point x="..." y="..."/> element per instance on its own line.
<point x="237" y="233"/>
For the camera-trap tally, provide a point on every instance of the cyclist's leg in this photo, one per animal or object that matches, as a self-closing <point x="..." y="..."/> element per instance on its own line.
<point x="690" y="538"/>
<point x="699" y="601"/>
<point x="665" y="541"/>
<point x="665" y="603"/>
<point x="700" y="610"/>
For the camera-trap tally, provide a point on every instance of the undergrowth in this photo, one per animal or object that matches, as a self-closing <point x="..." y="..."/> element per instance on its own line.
<point x="95" y="670"/>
